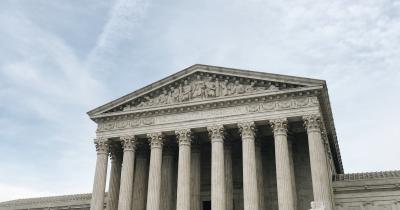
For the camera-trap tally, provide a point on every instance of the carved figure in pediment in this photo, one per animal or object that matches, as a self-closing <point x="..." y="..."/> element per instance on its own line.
<point x="224" y="88"/>
<point x="272" y="88"/>
<point x="185" y="91"/>
<point x="146" y="101"/>
<point x="174" y="95"/>
<point x="163" y="97"/>
<point x="199" y="88"/>
<point x="211" y="88"/>
<point x="127" y="107"/>
<point x="253" y="88"/>
<point x="237" y="88"/>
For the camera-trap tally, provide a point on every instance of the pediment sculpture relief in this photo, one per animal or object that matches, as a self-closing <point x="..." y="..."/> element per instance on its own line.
<point x="201" y="87"/>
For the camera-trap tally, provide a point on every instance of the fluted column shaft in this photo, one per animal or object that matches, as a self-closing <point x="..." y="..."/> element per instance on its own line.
<point x="250" y="187"/>
<point x="167" y="179"/>
<point x="115" y="178"/>
<point x="283" y="171"/>
<point x="218" y="199"/>
<point x="260" y="179"/>
<point x="319" y="165"/>
<point x="99" y="184"/>
<point x="228" y="175"/>
<point x="140" y="181"/>
<point x="195" y="170"/>
<point x="128" y="162"/>
<point x="183" y="193"/>
<point x="154" y="186"/>
<point x="290" y="147"/>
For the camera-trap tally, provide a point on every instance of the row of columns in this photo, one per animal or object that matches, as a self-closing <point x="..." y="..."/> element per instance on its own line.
<point x="188" y="190"/>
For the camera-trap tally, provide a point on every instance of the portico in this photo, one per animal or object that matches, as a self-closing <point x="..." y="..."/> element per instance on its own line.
<point x="225" y="138"/>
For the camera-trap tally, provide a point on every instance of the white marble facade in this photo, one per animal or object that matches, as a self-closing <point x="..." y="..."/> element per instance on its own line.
<point x="223" y="139"/>
<point x="208" y="115"/>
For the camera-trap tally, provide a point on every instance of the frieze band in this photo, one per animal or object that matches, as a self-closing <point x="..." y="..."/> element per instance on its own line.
<point x="251" y="108"/>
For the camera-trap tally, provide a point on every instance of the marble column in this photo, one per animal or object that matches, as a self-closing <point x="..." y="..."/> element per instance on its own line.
<point x="140" y="179"/>
<point x="115" y="178"/>
<point x="99" y="184"/>
<point x="260" y="177"/>
<point x="319" y="167"/>
<point x="195" y="170"/>
<point x="128" y="163"/>
<point x="218" y="199"/>
<point x="250" y="187"/>
<point x="154" y="186"/>
<point x="183" y="193"/>
<point x="290" y="147"/>
<point x="283" y="171"/>
<point x="228" y="174"/>
<point x="167" y="178"/>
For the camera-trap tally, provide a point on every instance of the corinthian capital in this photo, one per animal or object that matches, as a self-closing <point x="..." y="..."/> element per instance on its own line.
<point x="312" y="122"/>
<point x="183" y="136"/>
<point x="279" y="126"/>
<point x="216" y="132"/>
<point x="128" y="142"/>
<point x="102" y="146"/>
<point x="247" y="129"/>
<point x="155" y="139"/>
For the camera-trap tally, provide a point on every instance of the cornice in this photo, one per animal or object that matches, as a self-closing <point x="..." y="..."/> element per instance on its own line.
<point x="367" y="176"/>
<point x="330" y="125"/>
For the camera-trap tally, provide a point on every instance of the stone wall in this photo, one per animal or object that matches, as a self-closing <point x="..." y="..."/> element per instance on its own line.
<point x="367" y="191"/>
<point x="76" y="202"/>
<point x="362" y="191"/>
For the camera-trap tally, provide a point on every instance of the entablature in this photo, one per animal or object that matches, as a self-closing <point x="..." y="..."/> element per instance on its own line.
<point x="203" y="90"/>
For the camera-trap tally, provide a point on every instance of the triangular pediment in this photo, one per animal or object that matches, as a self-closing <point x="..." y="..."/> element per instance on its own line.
<point x="201" y="83"/>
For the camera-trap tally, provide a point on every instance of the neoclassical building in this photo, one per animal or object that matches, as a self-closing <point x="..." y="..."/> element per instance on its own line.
<point x="224" y="139"/>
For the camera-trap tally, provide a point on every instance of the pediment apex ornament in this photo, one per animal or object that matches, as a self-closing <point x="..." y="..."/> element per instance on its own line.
<point x="155" y="139"/>
<point x="312" y="123"/>
<point x="102" y="145"/>
<point x="216" y="132"/>
<point x="201" y="86"/>
<point x="247" y="129"/>
<point x="128" y="142"/>
<point x="279" y="126"/>
<point x="184" y="136"/>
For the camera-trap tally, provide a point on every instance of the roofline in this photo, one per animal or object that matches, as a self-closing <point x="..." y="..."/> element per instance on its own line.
<point x="211" y="69"/>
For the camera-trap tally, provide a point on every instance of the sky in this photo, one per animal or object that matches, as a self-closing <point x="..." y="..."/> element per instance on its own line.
<point x="60" y="59"/>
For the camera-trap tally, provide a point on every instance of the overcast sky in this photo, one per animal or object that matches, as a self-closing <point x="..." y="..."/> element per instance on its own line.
<point x="60" y="59"/>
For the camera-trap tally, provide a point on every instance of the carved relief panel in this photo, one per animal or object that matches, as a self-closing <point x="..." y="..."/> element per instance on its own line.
<point x="201" y="86"/>
<point x="262" y="107"/>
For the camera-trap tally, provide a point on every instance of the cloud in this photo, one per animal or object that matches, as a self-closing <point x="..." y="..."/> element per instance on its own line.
<point x="59" y="61"/>
<point x="121" y="27"/>
<point x="46" y="93"/>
